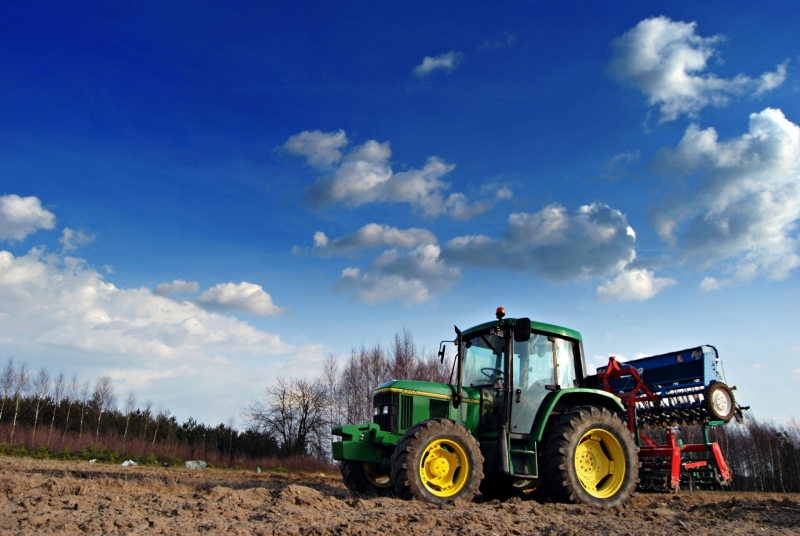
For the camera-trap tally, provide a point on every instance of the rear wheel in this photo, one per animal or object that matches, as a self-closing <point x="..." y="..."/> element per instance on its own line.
<point x="590" y="457"/>
<point x="365" y="479"/>
<point x="719" y="401"/>
<point x="437" y="461"/>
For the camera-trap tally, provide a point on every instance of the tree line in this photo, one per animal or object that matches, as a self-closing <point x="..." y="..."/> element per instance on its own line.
<point x="70" y="413"/>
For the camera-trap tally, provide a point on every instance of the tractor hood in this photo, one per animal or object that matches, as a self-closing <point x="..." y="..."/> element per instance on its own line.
<point x="441" y="391"/>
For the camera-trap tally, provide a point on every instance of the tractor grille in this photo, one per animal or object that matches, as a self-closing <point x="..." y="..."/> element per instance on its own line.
<point x="406" y="412"/>
<point x="386" y="420"/>
<point x="439" y="409"/>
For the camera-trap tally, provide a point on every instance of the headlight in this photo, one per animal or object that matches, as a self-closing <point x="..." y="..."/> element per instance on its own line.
<point x="385" y="410"/>
<point x="377" y="410"/>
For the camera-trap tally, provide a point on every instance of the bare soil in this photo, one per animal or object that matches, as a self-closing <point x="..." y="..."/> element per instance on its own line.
<point x="44" y="496"/>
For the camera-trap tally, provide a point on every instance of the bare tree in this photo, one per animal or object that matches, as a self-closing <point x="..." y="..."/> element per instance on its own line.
<point x="161" y="415"/>
<point x="7" y="380"/>
<point x="130" y="407"/>
<point x="148" y="406"/>
<point x="71" y="396"/>
<point x="232" y="428"/>
<point x="41" y="388"/>
<point x="58" y="396"/>
<point x="20" y="390"/>
<point x="84" y="396"/>
<point x="405" y="356"/>
<point x="364" y="370"/>
<point x="103" y="398"/>
<point x="294" y="412"/>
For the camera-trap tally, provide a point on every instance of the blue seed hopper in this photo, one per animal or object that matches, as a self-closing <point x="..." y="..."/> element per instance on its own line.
<point x="689" y="388"/>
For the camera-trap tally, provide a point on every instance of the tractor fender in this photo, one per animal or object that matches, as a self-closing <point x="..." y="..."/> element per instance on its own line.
<point x="562" y="400"/>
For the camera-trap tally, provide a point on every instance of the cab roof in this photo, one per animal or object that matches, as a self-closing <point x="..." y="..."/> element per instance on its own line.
<point x="535" y="326"/>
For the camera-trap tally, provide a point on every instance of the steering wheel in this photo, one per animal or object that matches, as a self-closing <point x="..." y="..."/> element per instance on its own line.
<point x="492" y="373"/>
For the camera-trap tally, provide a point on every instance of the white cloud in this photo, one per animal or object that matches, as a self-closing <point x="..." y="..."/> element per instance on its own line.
<point x="60" y="301"/>
<point x="365" y="175"/>
<point x="411" y="277"/>
<point x="372" y="235"/>
<point x="710" y="283"/>
<point x="244" y="297"/>
<point x="745" y="203"/>
<point x="667" y="61"/>
<point x="178" y="286"/>
<point x="637" y="285"/>
<point x="321" y="149"/>
<point x="22" y="216"/>
<point x="593" y="241"/>
<point x="71" y="240"/>
<point x="443" y="62"/>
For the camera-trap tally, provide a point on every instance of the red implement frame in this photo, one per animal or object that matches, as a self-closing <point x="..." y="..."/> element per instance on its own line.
<point x="641" y="392"/>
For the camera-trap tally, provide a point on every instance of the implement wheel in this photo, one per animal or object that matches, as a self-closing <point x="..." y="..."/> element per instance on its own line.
<point x="437" y="461"/>
<point x="365" y="479"/>
<point x="719" y="402"/>
<point x="590" y="457"/>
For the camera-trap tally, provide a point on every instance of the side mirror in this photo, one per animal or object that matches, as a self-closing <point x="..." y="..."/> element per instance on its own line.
<point x="522" y="330"/>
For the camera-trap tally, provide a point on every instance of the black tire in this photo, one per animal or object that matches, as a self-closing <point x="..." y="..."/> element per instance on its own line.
<point x="580" y="451"/>
<point x="719" y="402"/>
<point x="437" y="461"/>
<point x="365" y="479"/>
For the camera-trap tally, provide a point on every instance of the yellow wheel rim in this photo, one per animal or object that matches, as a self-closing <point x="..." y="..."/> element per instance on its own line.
<point x="377" y="478"/>
<point x="600" y="463"/>
<point x="444" y="468"/>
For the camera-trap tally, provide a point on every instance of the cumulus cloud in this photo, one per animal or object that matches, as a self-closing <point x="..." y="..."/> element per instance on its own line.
<point x="22" y="216"/>
<point x="178" y="286"/>
<point x="443" y="62"/>
<point x="321" y="149"/>
<point x="56" y="310"/>
<point x="710" y="283"/>
<point x="365" y="175"/>
<point x="370" y="236"/>
<point x="71" y="240"/>
<point x="743" y="203"/>
<point x="60" y="301"/>
<point x="555" y="243"/>
<point x="418" y="275"/>
<point x="667" y="61"/>
<point x="244" y="297"/>
<point x="629" y="284"/>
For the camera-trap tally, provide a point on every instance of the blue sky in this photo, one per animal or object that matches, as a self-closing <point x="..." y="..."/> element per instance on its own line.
<point x="200" y="197"/>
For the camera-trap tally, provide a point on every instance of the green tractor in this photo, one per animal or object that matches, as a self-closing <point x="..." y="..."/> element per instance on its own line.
<point x="519" y="420"/>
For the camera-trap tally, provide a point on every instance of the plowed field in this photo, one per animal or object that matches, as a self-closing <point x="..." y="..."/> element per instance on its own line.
<point x="74" y="497"/>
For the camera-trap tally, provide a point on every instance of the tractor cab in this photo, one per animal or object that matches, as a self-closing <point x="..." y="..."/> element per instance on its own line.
<point x="515" y="364"/>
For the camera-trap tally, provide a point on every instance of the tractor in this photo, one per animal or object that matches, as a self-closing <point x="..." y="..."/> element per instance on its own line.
<point x="516" y="419"/>
<point x="523" y="418"/>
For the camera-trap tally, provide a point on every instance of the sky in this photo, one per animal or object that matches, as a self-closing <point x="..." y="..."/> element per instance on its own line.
<point x="197" y="198"/>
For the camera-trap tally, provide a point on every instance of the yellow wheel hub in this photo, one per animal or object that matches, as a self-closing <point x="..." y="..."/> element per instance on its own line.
<point x="377" y="478"/>
<point x="600" y="463"/>
<point x="444" y="468"/>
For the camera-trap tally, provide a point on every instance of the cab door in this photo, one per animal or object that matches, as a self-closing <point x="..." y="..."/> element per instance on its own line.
<point x="533" y="368"/>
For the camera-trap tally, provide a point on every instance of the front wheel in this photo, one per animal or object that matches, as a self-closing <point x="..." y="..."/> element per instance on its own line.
<point x="437" y="461"/>
<point x="365" y="479"/>
<point x="590" y="457"/>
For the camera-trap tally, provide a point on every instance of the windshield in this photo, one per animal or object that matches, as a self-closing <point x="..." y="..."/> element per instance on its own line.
<point x="483" y="360"/>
